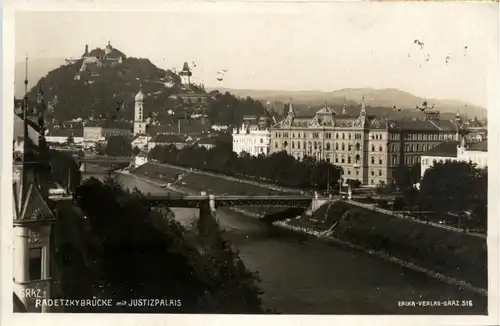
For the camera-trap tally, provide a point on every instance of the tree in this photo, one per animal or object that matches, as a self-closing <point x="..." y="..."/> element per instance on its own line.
<point x="64" y="169"/>
<point x="455" y="187"/>
<point x="118" y="146"/>
<point x="407" y="176"/>
<point x="136" y="251"/>
<point x="70" y="140"/>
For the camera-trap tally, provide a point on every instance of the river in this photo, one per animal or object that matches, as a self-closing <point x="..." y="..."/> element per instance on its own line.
<point x="303" y="275"/>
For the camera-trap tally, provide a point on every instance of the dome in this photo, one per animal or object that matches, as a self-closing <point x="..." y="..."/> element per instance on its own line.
<point x="139" y="97"/>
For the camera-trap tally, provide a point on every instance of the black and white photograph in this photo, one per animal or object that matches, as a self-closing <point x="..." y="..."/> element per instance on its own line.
<point x="276" y="159"/>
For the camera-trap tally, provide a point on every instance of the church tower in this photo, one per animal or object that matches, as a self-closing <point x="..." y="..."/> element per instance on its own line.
<point x="139" y="123"/>
<point x="32" y="217"/>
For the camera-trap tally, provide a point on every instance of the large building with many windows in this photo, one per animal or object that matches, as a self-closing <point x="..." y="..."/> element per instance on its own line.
<point x="369" y="149"/>
<point x="253" y="137"/>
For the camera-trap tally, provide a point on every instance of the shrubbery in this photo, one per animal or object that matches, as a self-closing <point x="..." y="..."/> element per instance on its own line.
<point x="279" y="168"/>
<point x="134" y="251"/>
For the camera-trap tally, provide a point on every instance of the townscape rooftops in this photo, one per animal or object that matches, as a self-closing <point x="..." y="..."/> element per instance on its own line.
<point x="349" y="120"/>
<point x="445" y="149"/>
<point x="77" y="132"/>
<point x="168" y="139"/>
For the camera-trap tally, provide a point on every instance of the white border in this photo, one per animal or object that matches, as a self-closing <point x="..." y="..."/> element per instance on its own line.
<point x="131" y="319"/>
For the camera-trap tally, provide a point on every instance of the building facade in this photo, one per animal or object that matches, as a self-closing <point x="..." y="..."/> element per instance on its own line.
<point x="167" y="140"/>
<point x="368" y="149"/>
<point x="253" y="137"/>
<point x="451" y="151"/>
<point x="33" y="217"/>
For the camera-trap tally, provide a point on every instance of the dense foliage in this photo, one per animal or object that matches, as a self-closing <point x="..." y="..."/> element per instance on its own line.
<point x="456" y="190"/>
<point x="64" y="168"/>
<point x="118" y="146"/>
<point x="227" y="109"/>
<point x="279" y="168"/>
<point x="132" y="251"/>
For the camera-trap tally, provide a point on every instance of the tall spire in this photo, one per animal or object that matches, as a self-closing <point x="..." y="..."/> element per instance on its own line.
<point x="290" y="108"/>
<point x="363" y="108"/>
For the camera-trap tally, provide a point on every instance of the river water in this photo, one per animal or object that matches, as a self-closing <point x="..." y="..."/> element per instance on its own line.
<point x="303" y="275"/>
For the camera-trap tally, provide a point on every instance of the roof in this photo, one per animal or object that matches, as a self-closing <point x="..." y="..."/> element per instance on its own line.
<point x="444" y="149"/>
<point x="142" y="154"/>
<point x="77" y="132"/>
<point x="208" y="141"/>
<point x="482" y="146"/>
<point x="19" y="130"/>
<point x="168" y="138"/>
<point x="93" y="124"/>
<point x="326" y="110"/>
<point x="188" y="126"/>
<point x="116" y="124"/>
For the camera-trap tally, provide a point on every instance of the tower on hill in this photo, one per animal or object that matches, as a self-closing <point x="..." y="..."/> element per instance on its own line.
<point x="185" y="74"/>
<point x="139" y="123"/>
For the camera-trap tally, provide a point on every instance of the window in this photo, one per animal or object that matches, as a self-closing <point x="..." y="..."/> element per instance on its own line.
<point x="336" y="136"/>
<point x="372" y="181"/>
<point x="373" y="160"/>
<point x="349" y="136"/>
<point x="358" y="146"/>
<point x="373" y="172"/>
<point x="343" y="146"/>
<point x="348" y="171"/>
<point x="350" y="147"/>
<point x="315" y="145"/>
<point x="349" y="159"/>
<point x="379" y="173"/>
<point x="276" y="145"/>
<point x="343" y="159"/>
<point x="357" y="158"/>
<point x="337" y="146"/>
<point x="373" y="148"/>
<point x="298" y="144"/>
<point x="327" y="146"/>
<point x="343" y="136"/>
<point x="293" y="144"/>
<point x="261" y="140"/>
<point x="336" y="159"/>
<point x="35" y="264"/>
<point x="380" y="149"/>
<point x="380" y="161"/>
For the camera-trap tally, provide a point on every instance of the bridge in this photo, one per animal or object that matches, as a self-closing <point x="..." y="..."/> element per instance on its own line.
<point x="207" y="204"/>
<point x="197" y="201"/>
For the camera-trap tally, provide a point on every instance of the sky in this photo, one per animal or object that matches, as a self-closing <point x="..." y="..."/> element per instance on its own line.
<point x="322" y="46"/>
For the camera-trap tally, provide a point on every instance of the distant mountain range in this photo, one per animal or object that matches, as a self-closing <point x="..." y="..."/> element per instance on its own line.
<point x="306" y="102"/>
<point x="377" y="98"/>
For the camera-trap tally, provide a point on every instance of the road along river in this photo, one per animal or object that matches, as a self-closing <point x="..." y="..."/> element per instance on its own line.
<point x="303" y="275"/>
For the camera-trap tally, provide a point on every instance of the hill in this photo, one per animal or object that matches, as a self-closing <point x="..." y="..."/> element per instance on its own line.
<point x="107" y="90"/>
<point x="37" y="69"/>
<point x="381" y="100"/>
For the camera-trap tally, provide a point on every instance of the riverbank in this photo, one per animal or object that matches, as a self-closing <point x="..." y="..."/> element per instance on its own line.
<point x="450" y="256"/>
<point x="384" y="256"/>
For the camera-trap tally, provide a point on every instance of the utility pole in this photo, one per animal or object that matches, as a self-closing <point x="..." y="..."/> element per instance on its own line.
<point x="328" y="182"/>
